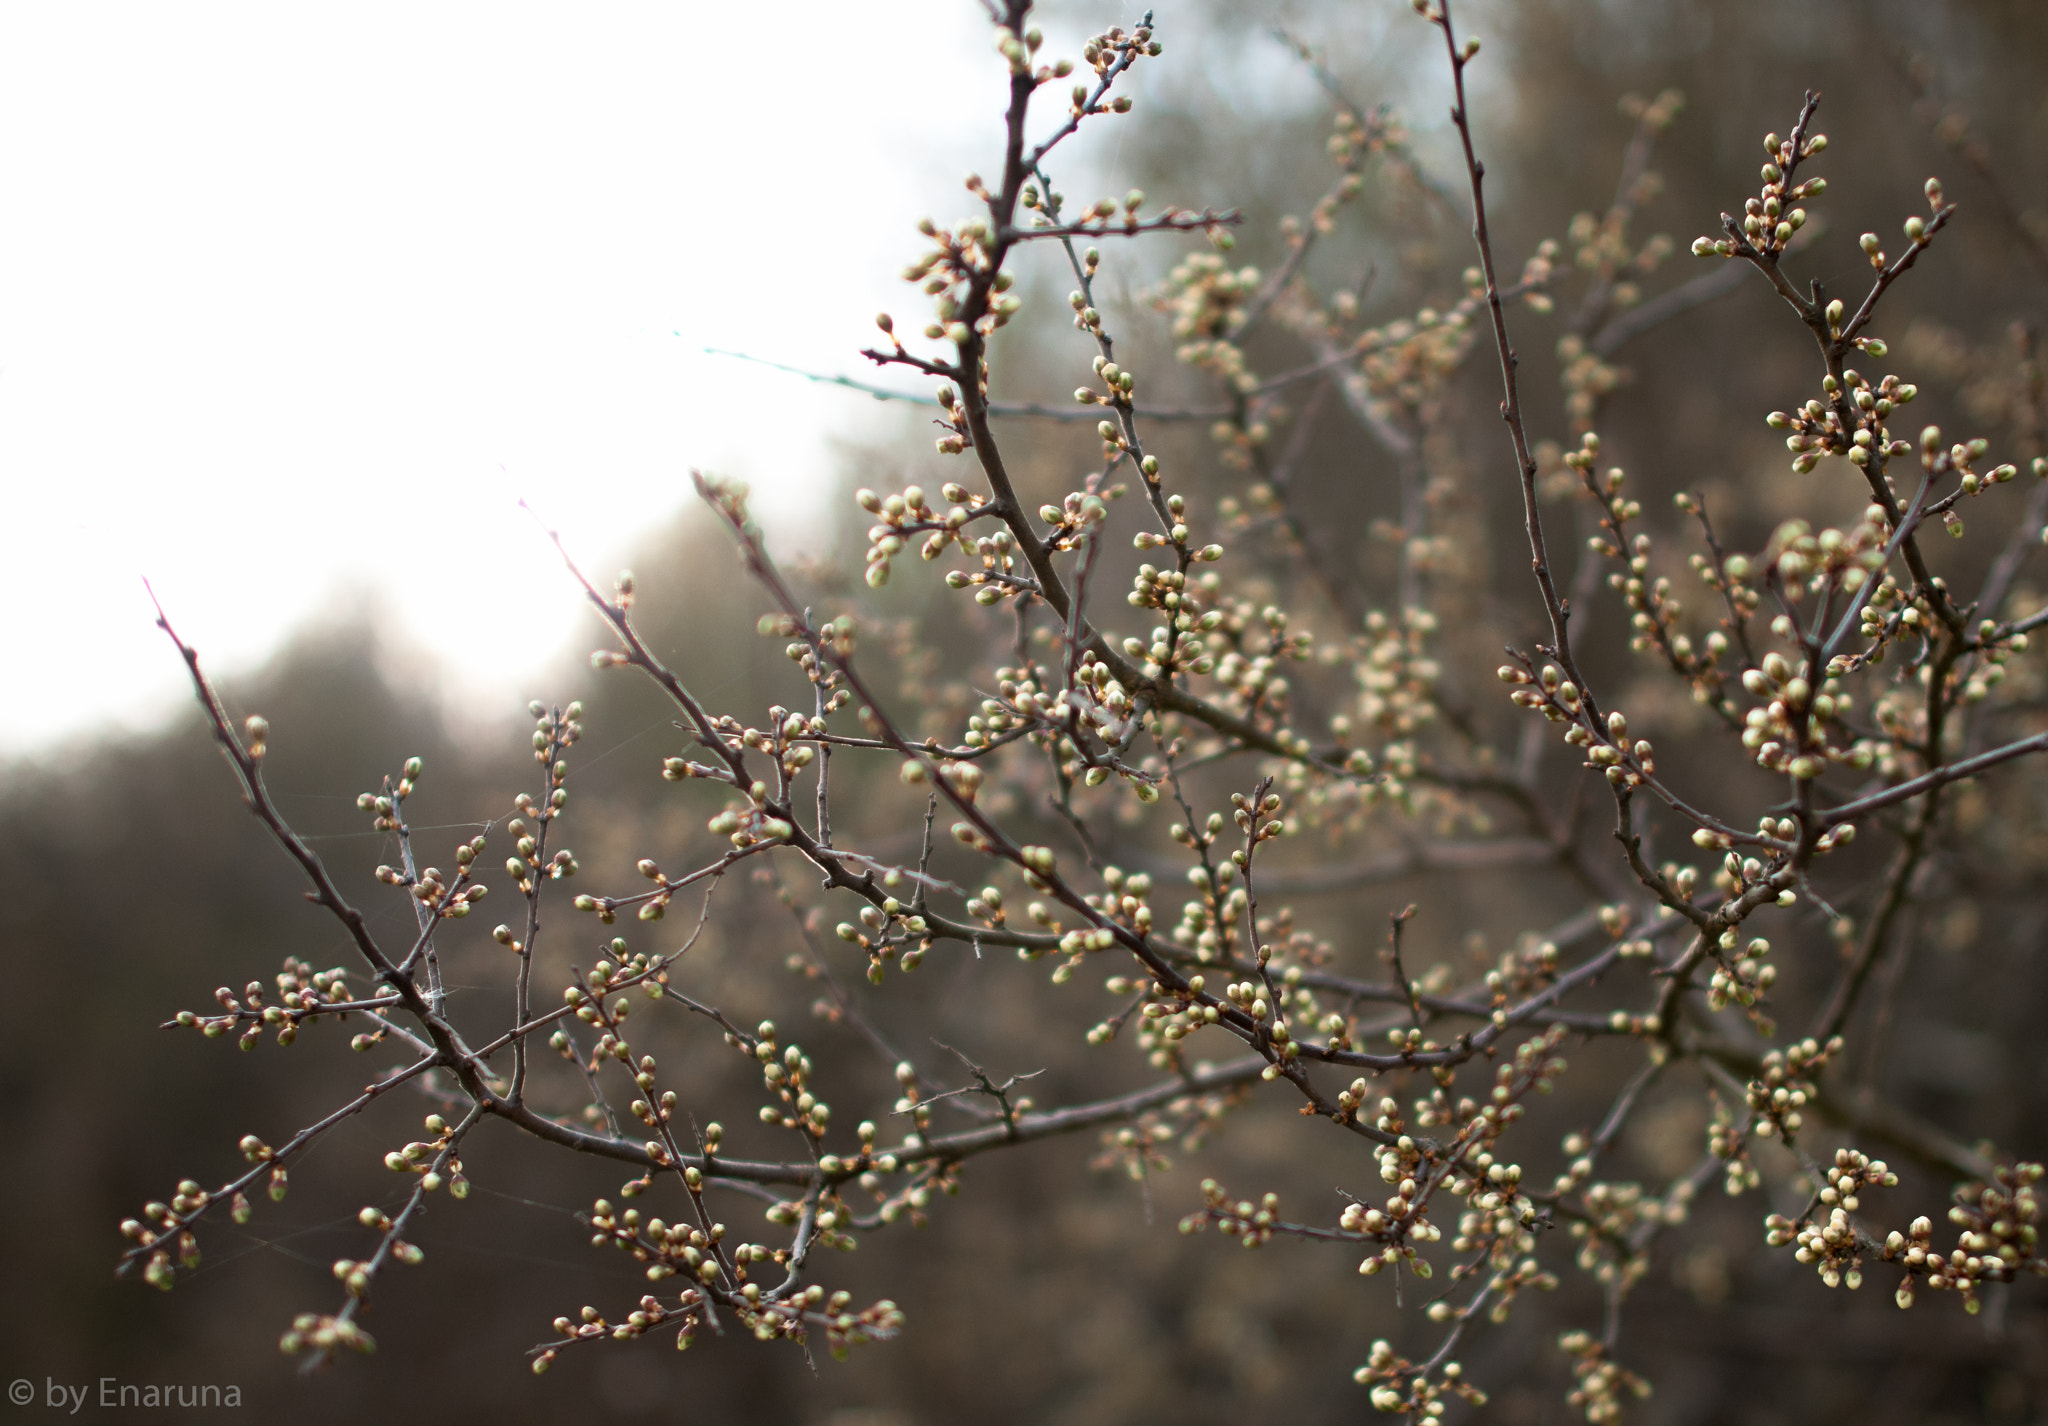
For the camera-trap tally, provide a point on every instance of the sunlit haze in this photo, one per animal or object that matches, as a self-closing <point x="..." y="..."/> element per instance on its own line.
<point x="299" y="302"/>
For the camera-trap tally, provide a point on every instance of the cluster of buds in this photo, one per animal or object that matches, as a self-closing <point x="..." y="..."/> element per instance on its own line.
<point x="1619" y="1217"/>
<point x="1114" y="50"/>
<point x="1400" y="1157"/>
<point x="1018" y="49"/>
<point x="1166" y="1017"/>
<point x="606" y="976"/>
<point x="1511" y="1277"/>
<point x="1437" y="1109"/>
<point x="1108" y="215"/>
<point x="812" y="651"/>
<point x="384" y="805"/>
<point x="1499" y="1222"/>
<point x="911" y="1100"/>
<point x="1070" y="521"/>
<point x="1177" y="535"/>
<point x="1742" y="979"/>
<point x="1207" y="301"/>
<point x="745" y="825"/>
<point x="653" y="906"/>
<point x="1396" y="675"/>
<point x="1588" y="378"/>
<point x="1832" y="560"/>
<point x="1499" y="1217"/>
<point x="1173" y="646"/>
<point x="961" y="270"/>
<point x="1096" y="700"/>
<point x="1212" y="920"/>
<point x="1601" y="244"/>
<point x="1249" y="668"/>
<point x="549" y="806"/>
<point x="996" y="580"/>
<point x="1399" y="1385"/>
<point x="845" y="1329"/>
<point x="1771" y="218"/>
<point x="1785" y="1085"/>
<point x="1404" y="365"/>
<point x="1848" y="419"/>
<point x="988" y="907"/>
<point x="909" y="1203"/>
<point x="1578" y="1170"/>
<point x="1260" y="821"/>
<point x="1531" y="965"/>
<point x="1252" y="1224"/>
<point x="1352" y="1100"/>
<point x="1680" y="879"/>
<point x="1187" y="1120"/>
<point x="1557" y="699"/>
<point x="1353" y="143"/>
<point x="1990" y="668"/>
<point x="1600" y="1383"/>
<point x="322" y="1334"/>
<point x="893" y="928"/>
<point x="1961" y="460"/>
<point x="901" y="518"/>
<point x="674" y="1249"/>
<point x="590" y="1325"/>
<point x="1653" y="610"/>
<point x="1851" y="1172"/>
<point x="788" y="739"/>
<point x="1607" y="747"/>
<point x="957" y="266"/>
<point x="554" y="729"/>
<point x="430" y="1159"/>
<point x="1359" y="137"/>
<point x="522" y="866"/>
<point x="354" y="1276"/>
<point x="1834" y="1247"/>
<point x="787" y="1074"/>
<point x="1999" y="1238"/>
<point x="1118" y="382"/>
<point x="1401" y="1221"/>
<point x="1535" y="1066"/>
<point x="248" y="1007"/>
<point x="303" y="994"/>
<point x="656" y="1110"/>
<point x="960" y="777"/>
<point x="1250" y="997"/>
<point x="1124" y="898"/>
<point x="1728" y="1141"/>
<point x="164" y="1233"/>
<point x="1788" y="731"/>
<point x="588" y="999"/>
<point x="430" y="887"/>
<point x="1732" y="578"/>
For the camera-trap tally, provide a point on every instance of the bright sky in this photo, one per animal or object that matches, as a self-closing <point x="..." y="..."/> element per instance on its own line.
<point x="299" y="300"/>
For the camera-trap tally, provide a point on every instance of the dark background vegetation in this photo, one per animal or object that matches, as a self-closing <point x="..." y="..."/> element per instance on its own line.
<point x="1051" y="1291"/>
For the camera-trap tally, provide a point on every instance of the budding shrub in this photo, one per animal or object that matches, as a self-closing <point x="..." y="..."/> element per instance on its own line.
<point x="1719" y="791"/>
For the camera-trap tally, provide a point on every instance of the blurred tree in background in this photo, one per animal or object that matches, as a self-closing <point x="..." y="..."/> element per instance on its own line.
<point x="1056" y="1287"/>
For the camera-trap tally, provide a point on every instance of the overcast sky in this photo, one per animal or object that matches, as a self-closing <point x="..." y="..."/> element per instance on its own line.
<point x="298" y="301"/>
